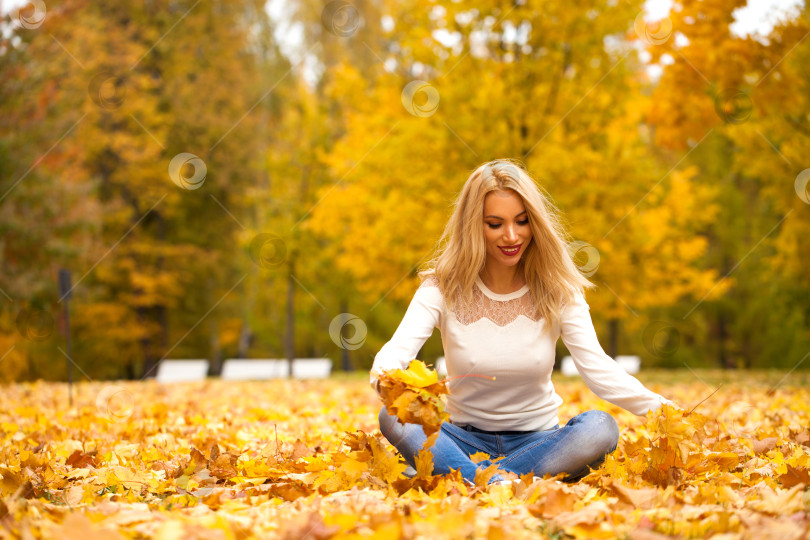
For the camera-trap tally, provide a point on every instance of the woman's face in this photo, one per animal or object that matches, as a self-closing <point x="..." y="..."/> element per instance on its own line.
<point x="506" y="225"/>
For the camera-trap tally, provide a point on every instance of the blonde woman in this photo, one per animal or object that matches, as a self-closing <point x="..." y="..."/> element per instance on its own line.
<point x="502" y="289"/>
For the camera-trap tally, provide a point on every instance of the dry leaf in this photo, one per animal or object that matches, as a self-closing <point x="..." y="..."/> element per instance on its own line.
<point x="413" y="396"/>
<point x="318" y="452"/>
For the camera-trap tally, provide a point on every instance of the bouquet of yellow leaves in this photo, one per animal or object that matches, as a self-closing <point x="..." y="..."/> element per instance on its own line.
<point x="413" y="396"/>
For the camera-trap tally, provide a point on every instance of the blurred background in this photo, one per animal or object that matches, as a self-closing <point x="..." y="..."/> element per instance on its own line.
<point x="219" y="179"/>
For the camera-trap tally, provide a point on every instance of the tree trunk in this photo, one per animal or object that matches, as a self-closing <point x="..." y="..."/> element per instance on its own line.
<point x="344" y="352"/>
<point x="245" y="340"/>
<point x="722" y="334"/>
<point x="216" y="349"/>
<point x="289" y="335"/>
<point x="162" y="313"/>
<point x="148" y="359"/>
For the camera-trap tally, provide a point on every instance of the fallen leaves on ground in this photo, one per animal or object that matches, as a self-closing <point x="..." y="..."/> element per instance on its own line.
<point x="413" y="395"/>
<point x="305" y="459"/>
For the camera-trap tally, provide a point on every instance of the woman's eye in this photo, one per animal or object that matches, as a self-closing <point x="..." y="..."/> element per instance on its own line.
<point x="496" y="225"/>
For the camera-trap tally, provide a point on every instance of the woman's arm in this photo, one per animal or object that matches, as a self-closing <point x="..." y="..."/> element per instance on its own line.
<point x="601" y="373"/>
<point x="422" y="316"/>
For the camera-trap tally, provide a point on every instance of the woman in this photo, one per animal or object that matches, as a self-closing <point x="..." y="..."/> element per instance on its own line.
<point x="502" y="289"/>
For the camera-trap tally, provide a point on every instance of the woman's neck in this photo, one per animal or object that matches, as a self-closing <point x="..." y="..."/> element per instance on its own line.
<point x="503" y="280"/>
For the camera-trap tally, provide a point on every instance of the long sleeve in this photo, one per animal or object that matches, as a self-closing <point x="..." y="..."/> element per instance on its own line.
<point x="422" y="316"/>
<point x="599" y="371"/>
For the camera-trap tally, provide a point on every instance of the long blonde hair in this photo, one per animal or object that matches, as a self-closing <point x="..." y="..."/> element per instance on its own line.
<point x="547" y="265"/>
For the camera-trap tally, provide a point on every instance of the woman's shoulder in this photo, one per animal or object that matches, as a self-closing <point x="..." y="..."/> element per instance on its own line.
<point x="429" y="290"/>
<point x="429" y="280"/>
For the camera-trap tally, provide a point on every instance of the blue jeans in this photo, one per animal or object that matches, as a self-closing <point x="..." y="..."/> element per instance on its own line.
<point x="578" y="446"/>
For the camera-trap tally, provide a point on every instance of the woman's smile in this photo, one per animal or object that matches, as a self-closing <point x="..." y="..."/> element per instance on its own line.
<point x="510" y="251"/>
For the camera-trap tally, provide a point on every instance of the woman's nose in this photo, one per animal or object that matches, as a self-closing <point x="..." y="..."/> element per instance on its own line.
<point x="510" y="234"/>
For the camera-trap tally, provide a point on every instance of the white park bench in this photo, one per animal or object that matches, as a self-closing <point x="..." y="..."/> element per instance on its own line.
<point x="171" y="371"/>
<point x="311" y="368"/>
<point x="631" y="364"/>
<point x="441" y="367"/>
<point x="241" y="369"/>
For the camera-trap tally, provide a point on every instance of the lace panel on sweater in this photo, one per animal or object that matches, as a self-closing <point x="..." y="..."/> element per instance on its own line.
<point x="501" y="312"/>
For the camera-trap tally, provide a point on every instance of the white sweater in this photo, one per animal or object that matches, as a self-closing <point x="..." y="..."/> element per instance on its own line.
<point x="498" y="337"/>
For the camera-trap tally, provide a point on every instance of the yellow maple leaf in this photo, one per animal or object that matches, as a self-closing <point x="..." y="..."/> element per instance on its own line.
<point x="417" y="374"/>
<point x="413" y="396"/>
<point x="424" y="463"/>
<point x="482" y="476"/>
<point x="478" y="457"/>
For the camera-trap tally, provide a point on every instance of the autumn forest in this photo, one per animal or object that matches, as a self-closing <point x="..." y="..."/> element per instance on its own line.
<point x="215" y="197"/>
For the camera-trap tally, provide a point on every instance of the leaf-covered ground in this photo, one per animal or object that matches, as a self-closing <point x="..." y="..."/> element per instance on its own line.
<point x="304" y="459"/>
